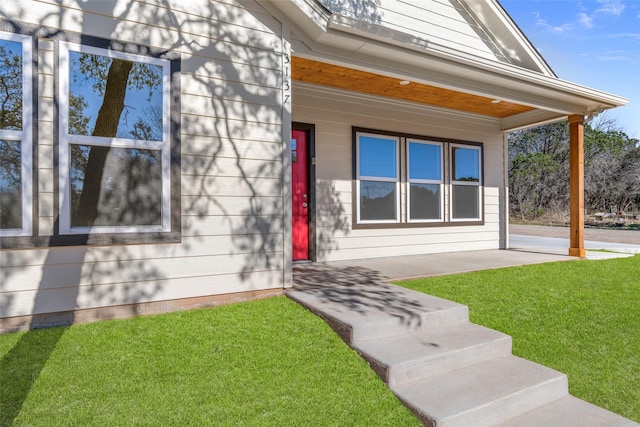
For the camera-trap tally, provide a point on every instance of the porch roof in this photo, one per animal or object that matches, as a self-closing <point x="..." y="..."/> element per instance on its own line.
<point x="338" y="51"/>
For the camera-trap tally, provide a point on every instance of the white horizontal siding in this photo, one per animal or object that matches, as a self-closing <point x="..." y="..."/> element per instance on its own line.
<point x="46" y="117"/>
<point x="337" y="254"/>
<point x="232" y="26"/>
<point x="212" y="186"/>
<point x="202" y="125"/>
<point x="391" y="241"/>
<point x="71" y="298"/>
<point x="234" y="101"/>
<point x="197" y="245"/>
<point x="196" y="74"/>
<point x="334" y="113"/>
<point x="129" y="271"/>
<point x="231" y="165"/>
<point x="219" y="167"/>
<point x="255" y="227"/>
<point x="231" y="148"/>
<point x="230" y="205"/>
<point x="444" y="22"/>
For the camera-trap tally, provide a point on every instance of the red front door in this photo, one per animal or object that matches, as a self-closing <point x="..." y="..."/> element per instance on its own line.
<point x="300" y="194"/>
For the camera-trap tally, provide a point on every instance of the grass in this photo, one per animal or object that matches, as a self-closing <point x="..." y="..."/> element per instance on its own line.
<point x="581" y="318"/>
<point x="267" y="363"/>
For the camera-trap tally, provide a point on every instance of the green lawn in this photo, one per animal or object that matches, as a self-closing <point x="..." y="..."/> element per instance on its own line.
<point x="261" y="363"/>
<point x="579" y="317"/>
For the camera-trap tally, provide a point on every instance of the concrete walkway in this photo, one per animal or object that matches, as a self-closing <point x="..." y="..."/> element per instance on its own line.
<point x="448" y="371"/>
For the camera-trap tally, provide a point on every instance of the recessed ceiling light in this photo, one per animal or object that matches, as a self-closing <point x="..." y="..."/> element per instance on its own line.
<point x="496" y="101"/>
<point x="405" y="82"/>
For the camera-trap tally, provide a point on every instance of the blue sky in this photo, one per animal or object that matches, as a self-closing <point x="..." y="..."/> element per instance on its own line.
<point x="595" y="43"/>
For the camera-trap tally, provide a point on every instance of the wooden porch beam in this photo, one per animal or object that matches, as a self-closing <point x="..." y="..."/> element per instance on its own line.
<point x="576" y="185"/>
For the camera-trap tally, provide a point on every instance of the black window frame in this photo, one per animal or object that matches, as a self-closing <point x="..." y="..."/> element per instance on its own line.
<point x="173" y="231"/>
<point x="404" y="183"/>
<point x="44" y="238"/>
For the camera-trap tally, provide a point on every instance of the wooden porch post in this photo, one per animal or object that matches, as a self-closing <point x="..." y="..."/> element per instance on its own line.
<point x="576" y="185"/>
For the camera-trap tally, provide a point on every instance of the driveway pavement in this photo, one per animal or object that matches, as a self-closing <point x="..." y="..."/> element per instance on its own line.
<point x="611" y="235"/>
<point x="561" y="245"/>
<point x="548" y="239"/>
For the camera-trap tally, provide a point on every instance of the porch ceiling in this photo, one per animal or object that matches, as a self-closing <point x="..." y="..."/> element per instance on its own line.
<point x="321" y="73"/>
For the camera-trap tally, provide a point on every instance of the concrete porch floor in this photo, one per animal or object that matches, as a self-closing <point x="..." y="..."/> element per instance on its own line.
<point x="407" y="267"/>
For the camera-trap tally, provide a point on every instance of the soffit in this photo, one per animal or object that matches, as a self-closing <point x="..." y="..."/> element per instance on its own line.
<point x="320" y="73"/>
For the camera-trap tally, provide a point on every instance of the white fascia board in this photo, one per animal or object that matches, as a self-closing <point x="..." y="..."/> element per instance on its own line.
<point x="531" y="119"/>
<point x="508" y="35"/>
<point x="308" y="15"/>
<point x="379" y="33"/>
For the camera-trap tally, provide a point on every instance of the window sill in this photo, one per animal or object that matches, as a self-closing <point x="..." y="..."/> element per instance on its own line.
<point x="89" y="240"/>
<point x="382" y="225"/>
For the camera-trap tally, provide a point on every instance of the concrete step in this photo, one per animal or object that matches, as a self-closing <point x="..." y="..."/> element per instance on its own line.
<point x="485" y="394"/>
<point x="376" y="310"/>
<point x="569" y="412"/>
<point x="448" y="371"/>
<point x="424" y="353"/>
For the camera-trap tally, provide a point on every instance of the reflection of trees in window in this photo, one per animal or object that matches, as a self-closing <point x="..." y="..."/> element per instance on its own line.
<point x="465" y="188"/>
<point x="78" y="122"/>
<point x="10" y="148"/>
<point x="130" y="187"/>
<point x="148" y="127"/>
<point x="10" y="184"/>
<point x="114" y="98"/>
<point x="377" y="200"/>
<point x="424" y="201"/>
<point x="136" y="88"/>
<point x="424" y="174"/>
<point x="10" y="85"/>
<point x="465" y="163"/>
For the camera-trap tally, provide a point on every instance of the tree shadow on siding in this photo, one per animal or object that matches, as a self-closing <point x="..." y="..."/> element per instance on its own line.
<point x="367" y="10"/>
<point x="332" y="221"/>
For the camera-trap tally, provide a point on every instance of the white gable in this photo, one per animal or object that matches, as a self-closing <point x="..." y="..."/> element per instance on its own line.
<point x="443" y="22"/>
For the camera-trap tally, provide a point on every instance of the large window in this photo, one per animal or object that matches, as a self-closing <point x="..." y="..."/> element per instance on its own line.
<point x="114" y="141"/>
<point x="413" y="181"/>
<point x="16" y="168"/>
<point x="465" y="182"/>
<point x="378" y="178"/>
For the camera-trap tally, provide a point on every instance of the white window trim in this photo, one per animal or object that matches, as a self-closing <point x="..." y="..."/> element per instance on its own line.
<point x="64" y="189"/>
<point x="25" y="136"/>
<point x="478" y="184"/>
<point x="425" y="181"/>
<point x="396" y="180"/>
